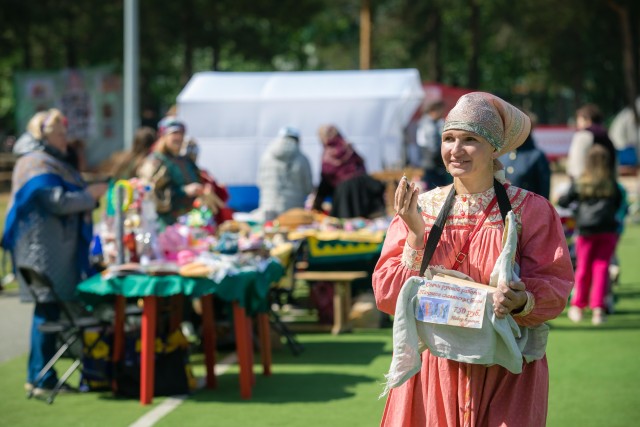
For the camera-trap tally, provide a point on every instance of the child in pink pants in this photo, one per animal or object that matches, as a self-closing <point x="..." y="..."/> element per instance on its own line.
<point x="596" y="198"/>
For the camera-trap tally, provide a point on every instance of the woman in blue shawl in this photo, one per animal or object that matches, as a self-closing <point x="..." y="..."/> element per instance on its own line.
<point x="48" y="228"/>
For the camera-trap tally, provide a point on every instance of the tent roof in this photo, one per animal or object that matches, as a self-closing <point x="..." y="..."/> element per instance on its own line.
<point x="273" y="86"/>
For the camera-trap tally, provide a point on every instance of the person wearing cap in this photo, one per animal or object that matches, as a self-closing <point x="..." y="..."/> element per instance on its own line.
<point x="175" y="179"/>
<point x="479" y="129"/>
<point x="284" y="175"/>
<point x="48" y="228"/>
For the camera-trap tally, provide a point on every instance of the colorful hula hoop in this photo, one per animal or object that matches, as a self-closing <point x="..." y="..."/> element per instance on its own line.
<point x="128" y="194"/>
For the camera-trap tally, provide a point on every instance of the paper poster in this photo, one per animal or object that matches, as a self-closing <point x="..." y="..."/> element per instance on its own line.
<point x="90" y="98"/>
<point x="449" y="304"/>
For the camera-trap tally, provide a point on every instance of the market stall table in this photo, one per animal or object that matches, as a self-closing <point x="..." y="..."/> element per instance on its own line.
<point x="340" y="257"/>
<point x="246" y="289"/>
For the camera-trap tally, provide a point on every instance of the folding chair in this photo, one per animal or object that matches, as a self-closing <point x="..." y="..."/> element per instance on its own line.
<point x="275" y="296"/>
<point x="69" y="328"/>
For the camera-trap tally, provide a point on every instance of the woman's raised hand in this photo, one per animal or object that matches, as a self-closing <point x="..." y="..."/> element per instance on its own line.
<point x="406" y="206"/>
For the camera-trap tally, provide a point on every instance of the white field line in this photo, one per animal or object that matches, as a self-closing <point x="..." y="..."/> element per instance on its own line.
<point x="172" y="402"/>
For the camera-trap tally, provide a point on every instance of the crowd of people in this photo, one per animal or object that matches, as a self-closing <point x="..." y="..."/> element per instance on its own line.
<point x="482" y="149"/>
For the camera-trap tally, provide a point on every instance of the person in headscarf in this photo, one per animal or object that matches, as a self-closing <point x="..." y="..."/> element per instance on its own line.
<point x="479" y="129"/>
<point x="175" y="179"/>
<point x="344" y="178"/>
<point x="33" y="140"/>
<point x="48" y="228"/>
<point x="284" y="175"/>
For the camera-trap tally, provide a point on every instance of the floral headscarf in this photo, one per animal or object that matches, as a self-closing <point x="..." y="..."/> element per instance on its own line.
<point x="340" y="162"/>
<point x="500" y="123"/>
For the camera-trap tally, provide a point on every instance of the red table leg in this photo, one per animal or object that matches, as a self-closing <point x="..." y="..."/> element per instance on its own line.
<point x="118" y="333"/>
<point x="242" y="348"/>
<point x="265" y="342"/>
<point x="147" y="351"/>
<point x="209" y="339"/>
<point x="251" y="349"/>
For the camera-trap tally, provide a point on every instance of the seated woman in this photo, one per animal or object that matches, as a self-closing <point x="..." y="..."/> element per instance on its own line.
<point x="344" y="178"/>
<point x="175" y="178"/>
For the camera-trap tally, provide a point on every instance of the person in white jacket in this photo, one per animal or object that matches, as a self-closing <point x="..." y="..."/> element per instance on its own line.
<point x="284" y="175"/>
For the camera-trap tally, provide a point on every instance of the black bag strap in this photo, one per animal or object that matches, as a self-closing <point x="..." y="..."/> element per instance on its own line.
<point x="503" y="199"/>
<point x="436" y="231"/>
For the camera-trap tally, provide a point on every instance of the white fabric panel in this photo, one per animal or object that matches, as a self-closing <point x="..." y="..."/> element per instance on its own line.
<point x="234" y="116"/>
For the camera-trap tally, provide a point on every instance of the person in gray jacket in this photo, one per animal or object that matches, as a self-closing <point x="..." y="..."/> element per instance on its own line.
<point x="48" y="227"/>
<point x="284" y="175"/>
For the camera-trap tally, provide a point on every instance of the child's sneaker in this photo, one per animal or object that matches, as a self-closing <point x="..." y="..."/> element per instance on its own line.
<point x="598" y="316"/>
<point x="575" y="314"/>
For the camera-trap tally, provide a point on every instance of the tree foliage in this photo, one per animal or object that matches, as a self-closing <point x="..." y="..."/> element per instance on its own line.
<point x="548" y="55"/>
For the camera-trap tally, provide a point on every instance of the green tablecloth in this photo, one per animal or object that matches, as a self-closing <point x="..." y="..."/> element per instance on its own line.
<point x="248" y="287"/>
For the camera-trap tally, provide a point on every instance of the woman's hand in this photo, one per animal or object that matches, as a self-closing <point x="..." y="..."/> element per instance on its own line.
<point x="507" y="299"/>
<point x="406" y="206"/>
<point x="193" y="190"/>
<point x="97" y="190"/>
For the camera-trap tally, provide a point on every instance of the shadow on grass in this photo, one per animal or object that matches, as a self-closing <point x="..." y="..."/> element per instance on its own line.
<point x="333" y="353"/>
<point x="587" y="327"/>
<point x="281" y="388"/>
<point x="621" y="293"/>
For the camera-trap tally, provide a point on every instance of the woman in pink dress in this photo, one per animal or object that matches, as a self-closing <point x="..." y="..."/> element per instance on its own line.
<point x="479" y="129"/>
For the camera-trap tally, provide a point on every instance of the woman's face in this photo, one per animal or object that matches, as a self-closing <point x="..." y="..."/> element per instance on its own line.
<point x="57" y="136"/>
<point x="467" y="155"/>
<point x="174" y="142"/>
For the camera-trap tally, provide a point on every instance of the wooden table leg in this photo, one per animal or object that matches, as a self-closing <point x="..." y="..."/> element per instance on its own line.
<point x="341" y="307"/>
<point x="346" y="286"/>
<point x="242" y="348"/>
<point x="147" y="351"/>
<point x="209" y="339"/>
<point x="265" y="342"/>
<point x="118" y="334"/>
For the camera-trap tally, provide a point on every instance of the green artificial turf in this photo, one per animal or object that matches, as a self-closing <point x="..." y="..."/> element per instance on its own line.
<point x="336" y="381"/>
<point x="593" y="373"/>
<point x="68" y="410"/>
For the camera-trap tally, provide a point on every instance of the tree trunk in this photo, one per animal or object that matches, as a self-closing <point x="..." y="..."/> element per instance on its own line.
<point x="69" y="40"/>
<point x="365" y="34"/>
<point x="627" y="55"/>
<point x="27" y="53"/>
<point x="433" y="27"/>
<point x="187" y="19"/>
<point x="629" y="67"/>
<point x="474" y="72"/>
<point x="215" y="35"/>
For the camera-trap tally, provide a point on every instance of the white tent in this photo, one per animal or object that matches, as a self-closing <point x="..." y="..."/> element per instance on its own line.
<point x="234" y="116"/>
